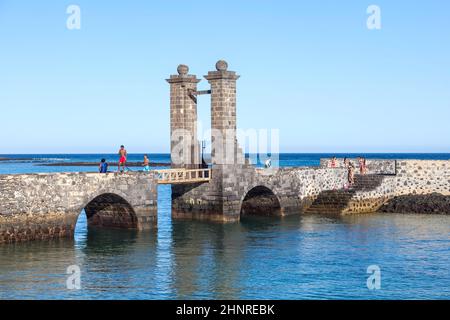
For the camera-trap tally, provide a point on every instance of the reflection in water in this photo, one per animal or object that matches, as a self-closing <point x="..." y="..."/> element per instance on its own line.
<point x="272" y="258"/>
<point x="206" y="260"/>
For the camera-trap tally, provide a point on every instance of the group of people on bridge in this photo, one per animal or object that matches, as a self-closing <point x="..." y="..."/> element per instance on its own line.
<point x="351" y="167"/>
<point x="122" y="166"/>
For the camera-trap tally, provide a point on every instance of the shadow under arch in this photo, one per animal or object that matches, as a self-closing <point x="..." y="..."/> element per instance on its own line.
<point x="110" y="210"/>
<point x="260" y="201"/>
<point x="107" y="225"/>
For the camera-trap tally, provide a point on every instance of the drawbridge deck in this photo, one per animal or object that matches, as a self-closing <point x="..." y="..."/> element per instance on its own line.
<point x="183" y="176"/>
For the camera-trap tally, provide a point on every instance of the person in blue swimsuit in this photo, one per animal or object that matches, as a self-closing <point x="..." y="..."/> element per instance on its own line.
<point x="146" y="163"/>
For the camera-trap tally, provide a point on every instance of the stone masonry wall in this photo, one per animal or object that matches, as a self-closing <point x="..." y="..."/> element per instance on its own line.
<point x="414" y="177"/>
<point x="374" y="166"/>
<point x="41" y="206"/>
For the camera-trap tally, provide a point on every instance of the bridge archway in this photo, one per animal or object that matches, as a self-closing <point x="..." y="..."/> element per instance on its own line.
<point x="260" y="201"/>
<point x="110" y="210"/>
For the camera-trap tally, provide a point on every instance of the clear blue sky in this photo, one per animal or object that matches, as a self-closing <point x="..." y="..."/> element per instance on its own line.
<point x="310" y="68"/>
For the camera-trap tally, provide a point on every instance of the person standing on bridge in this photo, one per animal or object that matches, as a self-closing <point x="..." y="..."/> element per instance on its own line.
<point x="362" y="165"/>
<point x="346" y="162"/>
<point x="123" y="158"/>
<point x="333" y="162"/>
<point x="351" y="174"/>
<point x="146" y="164"/>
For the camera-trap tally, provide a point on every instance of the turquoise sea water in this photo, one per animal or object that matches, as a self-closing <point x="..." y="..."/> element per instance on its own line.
<point x="300" y="257"/>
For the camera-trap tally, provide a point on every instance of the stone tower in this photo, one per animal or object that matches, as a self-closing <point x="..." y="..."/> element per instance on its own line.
<point x="218" y="199"/>
<point x="223" y="114"/>
<point x="184" y="148"/>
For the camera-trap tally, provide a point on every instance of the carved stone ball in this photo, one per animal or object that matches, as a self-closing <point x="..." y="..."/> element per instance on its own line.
<point x="183" y="69"/>
<point x="221" y="65"/>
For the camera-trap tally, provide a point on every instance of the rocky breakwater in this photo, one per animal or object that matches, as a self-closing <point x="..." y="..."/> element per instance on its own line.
<point x="433" y="203"/>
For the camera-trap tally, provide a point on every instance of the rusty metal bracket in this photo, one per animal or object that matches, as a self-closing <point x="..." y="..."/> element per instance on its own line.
<point x="193" y="94"/>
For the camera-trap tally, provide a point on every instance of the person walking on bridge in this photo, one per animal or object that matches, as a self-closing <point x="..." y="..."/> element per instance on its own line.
<point x="122" y="158"/>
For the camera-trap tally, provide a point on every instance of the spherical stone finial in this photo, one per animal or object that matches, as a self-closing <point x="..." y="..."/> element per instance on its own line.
<point x="183" y="69"/>
<point x="221" y="65"/>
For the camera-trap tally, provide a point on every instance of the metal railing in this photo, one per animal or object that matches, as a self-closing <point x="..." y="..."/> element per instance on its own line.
<point x="182" y="176"/>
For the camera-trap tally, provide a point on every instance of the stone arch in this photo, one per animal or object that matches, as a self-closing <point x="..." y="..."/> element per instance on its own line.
<point x="261" y="201"/>
<point x="110" y="210"/>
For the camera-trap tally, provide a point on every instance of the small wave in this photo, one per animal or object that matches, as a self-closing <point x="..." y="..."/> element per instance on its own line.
<point x="51" y="159"/>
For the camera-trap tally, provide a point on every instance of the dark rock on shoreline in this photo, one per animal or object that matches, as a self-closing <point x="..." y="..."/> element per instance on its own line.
<point x="95" y="164"/>
<point x="16" y="159"/>
<point x="433" y="203"/>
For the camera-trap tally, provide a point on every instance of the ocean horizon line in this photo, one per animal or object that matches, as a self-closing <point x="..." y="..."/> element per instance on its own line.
<point x="168" y="153"/>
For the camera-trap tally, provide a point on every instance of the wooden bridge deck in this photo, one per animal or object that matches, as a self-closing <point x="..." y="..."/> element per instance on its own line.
<point x="182" y="176"/>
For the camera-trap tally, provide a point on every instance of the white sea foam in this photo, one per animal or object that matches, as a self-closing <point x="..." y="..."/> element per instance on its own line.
<point x="51" y="159"/>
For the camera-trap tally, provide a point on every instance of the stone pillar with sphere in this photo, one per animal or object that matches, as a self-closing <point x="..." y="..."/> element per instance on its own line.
<point x="184" y="147"/>
<point x="224" y="147"/>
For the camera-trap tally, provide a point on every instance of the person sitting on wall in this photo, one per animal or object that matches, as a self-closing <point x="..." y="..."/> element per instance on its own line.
<point x="103" y="167"/>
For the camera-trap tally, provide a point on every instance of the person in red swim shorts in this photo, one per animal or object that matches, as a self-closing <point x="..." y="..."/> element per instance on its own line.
<point x="122" y="159"/>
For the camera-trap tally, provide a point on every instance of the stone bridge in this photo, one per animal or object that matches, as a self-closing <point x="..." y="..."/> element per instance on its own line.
<point x="43" y="206"/>
<point x="240" y="190"/>
<point x="237" y="189"/>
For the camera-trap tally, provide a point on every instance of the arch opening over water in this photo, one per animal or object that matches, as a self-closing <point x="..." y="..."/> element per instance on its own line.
<point x="260" y="201"/>
<point x="110" y="210"/>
